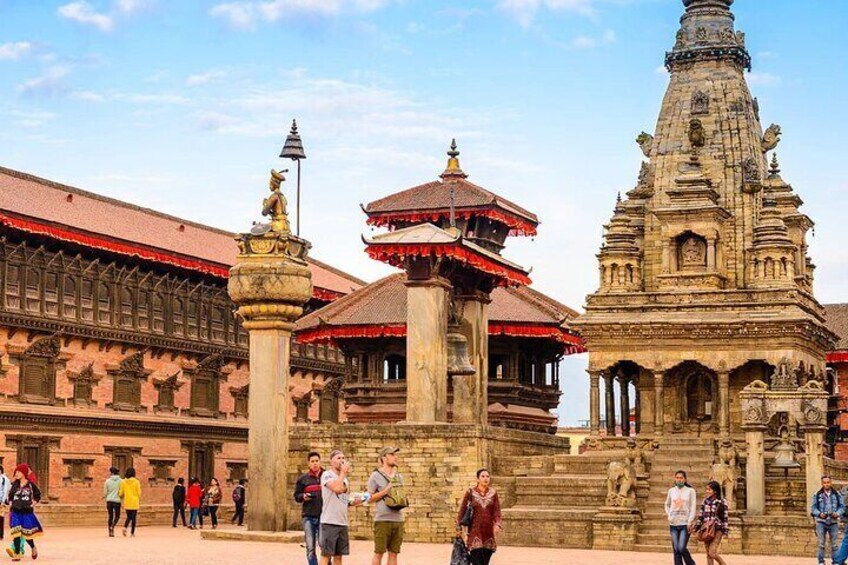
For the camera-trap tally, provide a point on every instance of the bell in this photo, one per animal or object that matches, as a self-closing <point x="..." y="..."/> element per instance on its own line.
<point x="458" y="361"/>
<point x="784" y="453"/>
<point x="293" y="147"/>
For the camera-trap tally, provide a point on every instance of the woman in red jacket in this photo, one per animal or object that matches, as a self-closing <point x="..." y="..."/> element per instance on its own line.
<point x="194" y="496"/>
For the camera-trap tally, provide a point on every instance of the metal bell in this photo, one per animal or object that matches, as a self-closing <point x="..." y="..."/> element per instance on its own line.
<point x="458" y="361"/>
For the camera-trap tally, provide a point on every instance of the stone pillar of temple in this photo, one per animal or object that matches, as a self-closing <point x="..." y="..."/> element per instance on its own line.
<point x="724" y="403"/>
<point x="813" y="438"/>
<point x="594" y="403"/>
<point x="609" y="404"/>
<point x="659" y="411"/>
<point x="637" y="404"/>
<point x="624" y="400"/>
<point x="470" y="392"/>
<point x="427" y="350"/>
<point x="269" y="283"/>
<point x="755" y="484"/>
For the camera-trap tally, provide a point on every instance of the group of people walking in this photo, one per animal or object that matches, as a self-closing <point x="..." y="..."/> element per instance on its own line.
<point x="204" y="501"/>
<point x="120" y="492"/>
<point x="18" y="498"/>
<point x="325" y="497"/>
<point x="709" y="523"/>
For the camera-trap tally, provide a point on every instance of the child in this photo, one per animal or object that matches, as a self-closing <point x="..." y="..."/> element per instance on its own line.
<point x="23" y="523"/>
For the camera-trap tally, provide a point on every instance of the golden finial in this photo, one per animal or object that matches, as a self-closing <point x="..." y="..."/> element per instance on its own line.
<point x="453" y="169"/>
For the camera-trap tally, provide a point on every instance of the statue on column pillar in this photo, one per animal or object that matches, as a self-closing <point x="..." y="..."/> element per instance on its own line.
<point x="726" y="471"/>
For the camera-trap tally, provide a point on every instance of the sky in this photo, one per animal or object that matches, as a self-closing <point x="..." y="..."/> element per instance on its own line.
<point x="183" y="107"/>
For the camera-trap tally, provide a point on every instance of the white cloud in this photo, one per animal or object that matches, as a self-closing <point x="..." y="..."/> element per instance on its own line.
<point x="587" y="42"/>
<point x="15" y="50"/>
<point x="130" y="7"/>
<point x="87" y="96"/>
<point x="204" y="78"/>
<point x="30" y="118"/>
<point x="51" y="83"/>
<point x="165" y="99"/>
<point x="83" y="13"/>
<point x="245" y="15"/>
<point x="525" y="10"/>
<point x="758" y="78"/>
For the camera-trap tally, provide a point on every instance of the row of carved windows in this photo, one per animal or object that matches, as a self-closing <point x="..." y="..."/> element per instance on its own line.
<point x="73" y="288"/>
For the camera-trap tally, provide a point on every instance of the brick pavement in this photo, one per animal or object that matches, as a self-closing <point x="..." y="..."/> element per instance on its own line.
<point x="167" y="546"/>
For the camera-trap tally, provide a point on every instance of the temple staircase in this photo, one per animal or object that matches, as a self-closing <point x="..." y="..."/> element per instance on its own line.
<point x="692" y="454"/>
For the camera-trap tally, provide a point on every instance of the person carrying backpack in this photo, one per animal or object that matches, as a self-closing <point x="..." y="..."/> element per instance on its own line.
<point x="389" y="497"/>
<point x="239" y="499"/>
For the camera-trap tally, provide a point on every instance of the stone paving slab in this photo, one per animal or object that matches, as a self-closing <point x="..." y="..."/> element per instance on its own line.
<point x="167" y="546"/>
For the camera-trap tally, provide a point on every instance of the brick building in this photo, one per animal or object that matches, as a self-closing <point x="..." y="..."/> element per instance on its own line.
<point x="119" y="347"/>
<point x="837" y="363"/>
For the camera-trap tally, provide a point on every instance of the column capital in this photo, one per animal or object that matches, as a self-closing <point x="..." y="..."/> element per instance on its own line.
<point x="431" y="282"/>
<point x="659" y="376"/>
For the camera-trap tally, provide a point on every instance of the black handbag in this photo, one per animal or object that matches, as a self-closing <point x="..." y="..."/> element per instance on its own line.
<point x="459" y="556"/>
<point x="468" y="517"/>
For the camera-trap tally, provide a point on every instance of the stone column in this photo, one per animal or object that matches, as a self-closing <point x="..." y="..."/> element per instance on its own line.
<point x="470" y="392"/>
<point x="813" y="438"/>
<point x="594" y="403"/>
<point x="609" y="404"/>
<point x="637" y="403"/>
<point x="724" y="403"/>
<point x="659" y="412"/>
<point x="711" y="255"/>
<point x="755" y="484"/>
<point x="672" y="255"/>
<point x="624" y="400"/>
<point x="269" y="283"/>
<point x="427" y="351"/>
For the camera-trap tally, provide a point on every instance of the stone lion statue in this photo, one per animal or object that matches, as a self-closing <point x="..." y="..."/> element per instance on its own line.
<point x="726" y="471"/>
<point x="621" y="478"/>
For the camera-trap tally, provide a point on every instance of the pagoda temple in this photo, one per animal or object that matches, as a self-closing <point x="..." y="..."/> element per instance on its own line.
<point x="459" y="331"/>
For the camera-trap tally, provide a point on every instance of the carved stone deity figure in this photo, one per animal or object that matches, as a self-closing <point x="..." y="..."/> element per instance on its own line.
<point x="693" y="253"/>
<point x="785" y="377"/>
<point x="621" y="478"/>
<point x="726" y="471"/>
<point x="275" y="205"/>
<point x="697" y="137"/>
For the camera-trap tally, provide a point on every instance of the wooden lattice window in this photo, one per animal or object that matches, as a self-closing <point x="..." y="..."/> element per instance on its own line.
<point x="35" y="452"/>
<point x="51" y="293"/>
<point x="38" y="366"/>
<point x="236" y="471"/>
<point x="87" y="300"/>
<point x="201" y="459"/>
<point x="126" y="307"/>
<point x="241" y="396"/>
<point x="13" y="286"/>
<point x="218" y="330"/>
<point x="167" y="392"/>
<point x="122" y="456"/>
<point x="203" y="321"/>
<point x="328" y="405"/>
<point x="69" y="297"/>
<point x="162" y="471"/>
<point x="84" y="383"/>
<point x="78" y="471"/>
<point x="143" y="309"/>
<point x="158" y="313"/>
<point x="191" y="316"/>
<point x="178" y="317"/>
<point x="104" y="303"/>
<point x="206" y="386"/>
<point x="33" y="290"/>
<point x="128" y="378"/>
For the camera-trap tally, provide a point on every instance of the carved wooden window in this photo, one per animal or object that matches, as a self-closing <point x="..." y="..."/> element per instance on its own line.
<point x="699" y="397"/>
<point x="203" y="321"/>
<point x="394" y="368"/>
<point x="13" y="286"/>
<point x="236" y="471"/>
<point x="78" y="471"/>
<point x="33" y="290"/>
<point x="242" y="334"/>
<point x="328" y="405"/>
<point x="205" y="387"/>
<point x="35" y="452"/>
<point x="218" y="333"/>
<point x="158" y="313"/>
<point x="69" y="297"/>
<point x="178" y="317"/>
<point x="122" y="457"/>
<point x="37" y="379"/>
<point x="201" y="459"/>
<point x="126" y="307"/>
<point x="192" y="321"/>
<point x="167" y="392"/>
<point x="51" y="293"/>
<point x="104" y="303"/>
<point x="143" y="309"/>
<point x="84" y="382"/>
<point x="241" y="396"/>
<point x="127" y="383"/>
<point x="87" y="300"/>
<point x="162" y="471"/>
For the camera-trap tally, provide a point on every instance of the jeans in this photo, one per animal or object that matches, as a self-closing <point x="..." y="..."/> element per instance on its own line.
<point x="179" y="510"/>
<point x="842" y="555"/>
<point x="132" y="516"/>
<point x="114" y="510"/>
<point x="679" y="541"/>
<point x="213" y="514"/>
<point x="238" y="515"/>
<point x="311" y="528"/>
<point x="195" y="514"/>
<point x="822" y="531"/>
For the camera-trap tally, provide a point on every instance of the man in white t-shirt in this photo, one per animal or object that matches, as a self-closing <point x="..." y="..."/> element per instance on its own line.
<point x="334" y="538"/>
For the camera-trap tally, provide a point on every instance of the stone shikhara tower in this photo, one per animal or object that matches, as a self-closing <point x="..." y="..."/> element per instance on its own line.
<point x="705" y="282"/>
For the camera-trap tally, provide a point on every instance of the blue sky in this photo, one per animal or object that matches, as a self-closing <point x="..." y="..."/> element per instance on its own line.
<point x="183" y="107"/>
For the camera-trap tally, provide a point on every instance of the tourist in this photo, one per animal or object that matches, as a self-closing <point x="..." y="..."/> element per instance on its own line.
<point x="23" y="523"/>
<point x="485" y="519"/>
<point x="711" y="525"/>
<point x="5" y="487"/>
<point x="307" y="492"/>
<point x="178" y="496"/>
<point x="111" y="493"/>
<point x="239" y="498"/>
<point x="680" y="505"/>
<point x="194" y="496"/>
<point x="389" y="498"/>
<point x="131" y="496"/>
<point x="333" y="538"/>
<point x="827" y="508"/>
<point x="213" y="500"/>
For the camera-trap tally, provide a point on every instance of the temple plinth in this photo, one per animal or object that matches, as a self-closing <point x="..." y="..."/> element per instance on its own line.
<point x="270" y="283"/>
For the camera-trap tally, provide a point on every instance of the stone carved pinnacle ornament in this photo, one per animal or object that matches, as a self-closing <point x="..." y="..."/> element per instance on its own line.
<point x="49" y="347"/>
<point x="133" y="364"/>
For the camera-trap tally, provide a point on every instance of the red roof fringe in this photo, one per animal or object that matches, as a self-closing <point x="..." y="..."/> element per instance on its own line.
<point x="395" y="254"/>
<point x="96" y="242"/>
<point x="518" y="226"/>
<point x="572" y="343"/>
<point x="837" y="357"/>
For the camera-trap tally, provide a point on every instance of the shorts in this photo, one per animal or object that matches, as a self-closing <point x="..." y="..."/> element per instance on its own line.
<point x="388" y="536"/>
<point x="334" y="540"/>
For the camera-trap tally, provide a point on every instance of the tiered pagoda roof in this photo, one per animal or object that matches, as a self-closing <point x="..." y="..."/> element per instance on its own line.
<point x="65" y="213"/>
<point x="379" y="310"/>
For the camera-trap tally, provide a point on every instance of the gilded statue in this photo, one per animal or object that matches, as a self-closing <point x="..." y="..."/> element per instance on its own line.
<point x="275" y="205"/>
<point x="726" y="471"/>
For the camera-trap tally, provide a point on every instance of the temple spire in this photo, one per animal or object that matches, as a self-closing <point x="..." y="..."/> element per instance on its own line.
<point x="453" y="169"/>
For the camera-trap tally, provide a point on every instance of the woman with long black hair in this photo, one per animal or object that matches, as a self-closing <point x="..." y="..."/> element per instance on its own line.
<point x="681" y="503"/>
<point x="485" y="519"/>
<point x="711" y="525"/>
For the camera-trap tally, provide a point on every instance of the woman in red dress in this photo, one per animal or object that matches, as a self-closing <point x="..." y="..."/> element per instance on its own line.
<point x="485" y="521"/>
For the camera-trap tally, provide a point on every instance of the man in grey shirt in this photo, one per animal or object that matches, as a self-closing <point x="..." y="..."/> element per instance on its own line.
<point x="388" y="522"/>
<point x="334" y="539"/>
